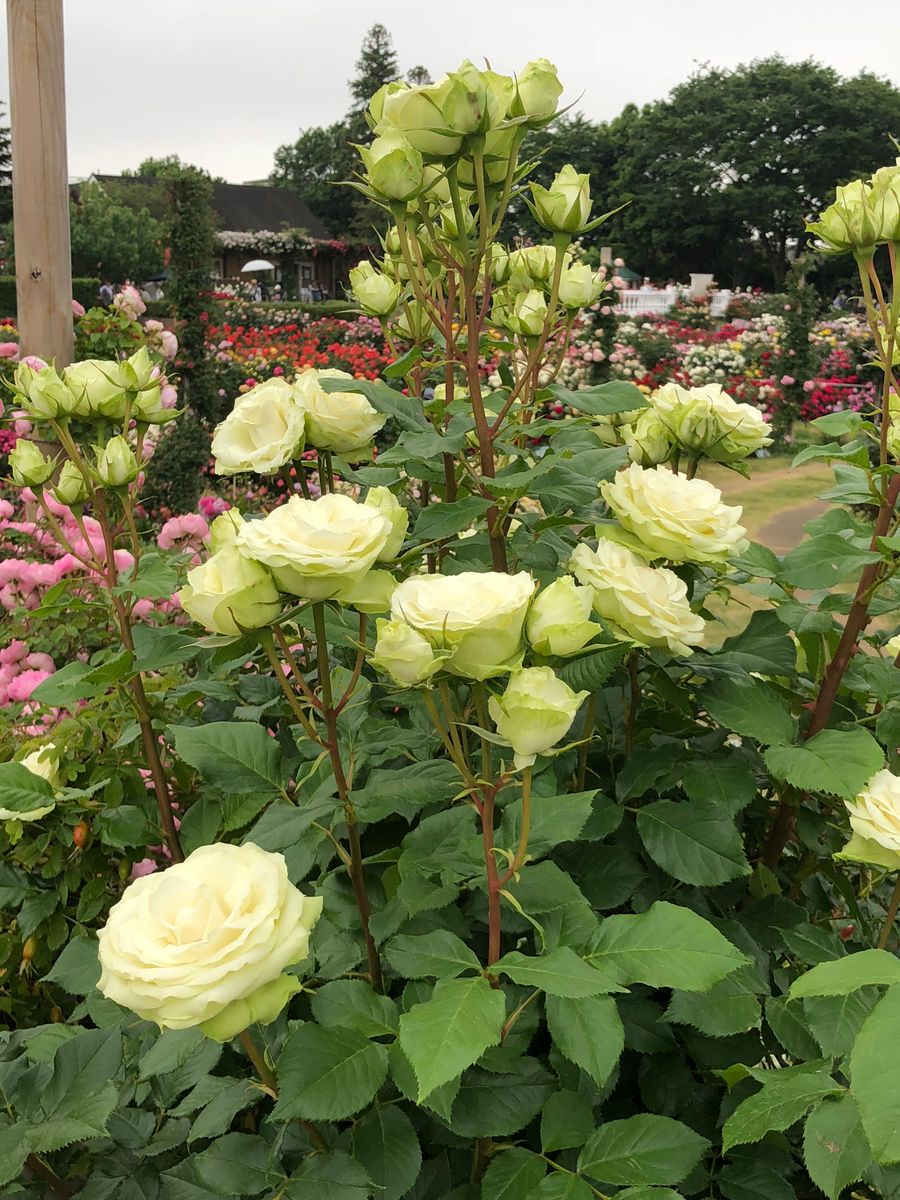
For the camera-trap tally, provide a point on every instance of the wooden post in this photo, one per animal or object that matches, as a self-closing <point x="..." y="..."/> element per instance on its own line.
<point x="40" y="178"/>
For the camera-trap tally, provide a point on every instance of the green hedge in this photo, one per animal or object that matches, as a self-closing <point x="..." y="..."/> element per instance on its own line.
<point x="84" y="290"/>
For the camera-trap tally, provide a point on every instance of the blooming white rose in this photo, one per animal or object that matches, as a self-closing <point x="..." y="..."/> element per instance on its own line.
<point x="184" y="945"/>
<point x="405" y="655"/>
<point x="875" y="821"/>
<point x="43" y="762"/>
<point x="649" y="604"/>
<point x="706" y="420"/>
<point x="479" y="616"/>
<point x="341" y="421"/>
<point x="224" y="529"/>
<point x="316" y="548"/>
<point x="579" y="286"/>
<point x="535" y="712"/>
<point x="384" y="501"/>
<point x="675" y="517"/>
<point x="263" y="432"/>
<point x="559" y="621"/>
<point x="230" y="592"/>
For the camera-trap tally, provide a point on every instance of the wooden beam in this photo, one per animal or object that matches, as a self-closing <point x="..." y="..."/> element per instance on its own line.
<point x="40" y="177"/>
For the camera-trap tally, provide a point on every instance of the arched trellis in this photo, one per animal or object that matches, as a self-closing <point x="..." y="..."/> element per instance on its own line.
<point x="37" y="106"/>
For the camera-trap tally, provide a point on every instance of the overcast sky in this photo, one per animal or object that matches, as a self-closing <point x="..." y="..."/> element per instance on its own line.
<point x="222" y="83"/>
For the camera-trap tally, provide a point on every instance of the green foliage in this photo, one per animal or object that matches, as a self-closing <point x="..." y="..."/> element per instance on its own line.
<point x="112" y="240"/>
<point x="84" y="290"/>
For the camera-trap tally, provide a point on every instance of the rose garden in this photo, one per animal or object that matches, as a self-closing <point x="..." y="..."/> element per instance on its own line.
<point x="416" y="781"/>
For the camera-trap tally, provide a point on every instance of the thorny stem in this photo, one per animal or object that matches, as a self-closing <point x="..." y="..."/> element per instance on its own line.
<point x="268" y="645"/>
<point x="357" y="666"/>
<point x="49" y="1176"/>
<point x="891" y="917"/>
<point x="268" y="1080"/>
<point x="295" y="670"/>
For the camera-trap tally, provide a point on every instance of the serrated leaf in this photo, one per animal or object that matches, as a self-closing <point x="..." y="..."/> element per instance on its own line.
<point x="567" y="1121"/>
<point x="727" y="1007"/>
<point x="450" y="1031"/>
<point x="695" y="842"/>
<point x="77" y="969"/>
<point x="750" y="707"/>
<point x="836" y="1020"/>
<point x="588" y="1032"/>
<point x="834" y="1145"/>
<point x="235" y="1164"/>
<point x="559" y="1186"/>
<point x="331" y="1176"/>
<point x="406" y="410"/>
<point x="785" y="1097"/>
<point x="845" y="975"/>
<point x="406" y="790"/>
<point x="667" y="946"/>
<point x="216" y="1117"/>
<point x="440" y="1101"/>
<point x="824" y="560"/>
<point x="645" y="1149"/>
<point x="838" y="762"/>
<point x="554" y="819"/>
<point x="386" y="1144"/>
<point x="444" y="520"/>
<point x="727" y="782"/>
<point x="559" y="973"/>
<point x="354" y="1004"/>
<point x="22" y="791"/>
<point x="234" y="755"/>
<point x="80" y="1086"/>
<point x="490" y="1104"/>
<point x="512" y="1175"/>
<point x="649" y="1193"/>
<point x="764" y="646"/>
<point x="93" y="1111"/>
<point x="757" y="1173"/>
<point x="14" y="1149"/>
<point x="875" y="1077"/>
<point x="603" y="399"/>
<point x="590" y="671"/>
<point x="170" y="1051"/>
<point x="440" y="954"/>
<point x="327" y="1074"/>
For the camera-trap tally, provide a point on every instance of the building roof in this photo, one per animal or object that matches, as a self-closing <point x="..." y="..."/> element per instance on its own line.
<point x="245" y="208"/>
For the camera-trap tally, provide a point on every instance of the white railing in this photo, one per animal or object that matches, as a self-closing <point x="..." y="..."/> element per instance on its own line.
<point x="645" y="302"/>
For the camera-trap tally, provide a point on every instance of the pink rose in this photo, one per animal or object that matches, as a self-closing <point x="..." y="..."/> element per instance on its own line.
<point x="77" y="309"/>
<point x="23" y="685"/>
<point x="787" y="380"/>
<point x="9" y="350"/>
<point x="36" y="364"/>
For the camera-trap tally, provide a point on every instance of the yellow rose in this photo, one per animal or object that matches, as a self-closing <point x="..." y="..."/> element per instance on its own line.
<point x="875" y="821"/>
<point x="479" y="616"/>
<point x="673" y="517"/>
<point x="263" y="432"/>
<point x="648" y="604"/>
<point x="535" y="712"/>
<point x="317" y="548"/>
<point x="230" y="592"/>
<point x="341" y="421"/>
<point x="185" y="944"/>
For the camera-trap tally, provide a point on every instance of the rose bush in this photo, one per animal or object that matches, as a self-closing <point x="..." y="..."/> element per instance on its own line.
<point x="572" y="873"/>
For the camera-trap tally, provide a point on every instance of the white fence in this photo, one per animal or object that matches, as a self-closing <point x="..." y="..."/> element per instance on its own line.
<point x="645" y="302"/>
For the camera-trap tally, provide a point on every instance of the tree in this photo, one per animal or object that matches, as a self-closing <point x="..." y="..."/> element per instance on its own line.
<point x="5" y="172"/>
<point x="113" y="240"/>
<point x="376" y="66"/>
<point x="418" y="76"/>
<point x="724" y="173"/>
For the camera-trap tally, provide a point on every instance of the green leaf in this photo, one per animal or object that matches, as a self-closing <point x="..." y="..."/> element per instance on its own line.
<point x="14" y="1149"/>
<point x="695" y="842"/>
<point x="824" y="560"/>
<point x="757" y="1173"/>
<point x="77" y="969"/>
<point x="560" y="973"/>
<point x="875" y="1076"/>
<point x="838" y="762"/>
<point x="450" y="1031"/>
<point x="561" y="1187"/>
<point x="170" y="1051"/>
<point x="355" y="1004"/>
<point x="728" y="782"/>
<point x="498" y="1105"/>
<point x="590" y="671"/>
<point x="65" y="686"/>
<point x="441" y="954"/>
<point x="386" y="1144"/>
<point x="835" y="1146"/>
<point x="554" y="819"/>
<point x="602" y="400"/>
<point x="21" y="790"/>
<point x="331" y="1176"/>
<point x="589" y="1033"/>
<point x="752" y="708"/>
<point x="236" y="1164"/>
<point x="764" y="646"/>
<point x="567" y="1121"/>
<point x="80" y="1095"/>
<point x="512" y="1175"/>
<point x="234" y="755"/>
<point x="156" y="578"/>
<point x="158" y="646"/>
<point x="785" y="1096"/>
<point x="649" y="1193"/>
<point x="328" y="1074"/>
<point x="667" y="946"/>
<point x="441" y="1099"/>
<point x="727" y="1007"/>
<point x="215" y="1118"/>
<point x="836" y="1020"/>
<point x="444" y="520"/>
<point x="406" y="790"/>
<point x="642" y="1150"/>
<point x="845" y="975"/>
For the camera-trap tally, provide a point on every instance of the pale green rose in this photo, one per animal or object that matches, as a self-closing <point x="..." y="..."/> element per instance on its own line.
<point x="479" y="616"/>
<point x="498" y="148"/>
<point x="240" y="922"/>
<point x="98" y="387"/>
<point x="529" y="313"/>
<point x="71" y="488"/>
<point x="46" y="395"/>
<point x="393" y="166"/>
<point x="385" y="502"/>
<point x="886" y="202"/>
<point x="230" y="592"/>
<point x="893" y="645"/>
<point x="579" y="286"/>
<point x="418" y="114"/>
<point x="404" y="655"/>
<point x="263" y="432"/>
<point x="564" y="207"/>
<point x="502" y="301"/>
<point x="450" y="226"/>
<point x="648" y="440"/>
<point x="371" y="594"/>
<point x="531" y="266"/>
<point x="851" y="223"/>
<point x="615" y="428"/>
<point x="413" y="323"/>
<point x="537" y="91"/>
<point x="148" y="407"/>
<point x="224" y="529"/>
<point x="648" y="604"/>
<point x="376" y="104"/>
<point x="706" y="420"/>
<point x="875" y="821"/>
<point x="893" y="439"/>
<point x="497" y="262"/>
<point x="29" y="467"/>
<point x="136" y="372"/>
<point x="674" y="517"/>
<point x="559" y="619"/>
<point x="341" y="421"/>
<point x="43" y="762"/>
<point x="476" y="100"/>
<point x="116" y="465"/>
<point x="376" y="294"/>
<point x="316" y="548"/>
<point x="535" y="712"/>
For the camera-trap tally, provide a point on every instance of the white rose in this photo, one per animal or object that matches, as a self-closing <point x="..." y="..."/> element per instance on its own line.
<point x="384" y="501"/>
<point x="340" y="421"/>
<point x="185" y="944"/>
<point x="316" y="548"/>
<point x="98" y="388"/>
<point x="43" y="762"/>
<point x="673" y="517"/>
<point x="263" y="432"/>
<point x="230" y="592"/>
<point x="649" y="604"/>
<point x="535" y="712"/>
<point x="477" y="615"/>
<point x="893" y="646"/>
<point x="875" y="821"/>
<point x="559" y="621"/>
<point x="706" y="420"/>
<point x="405" y="655"/>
